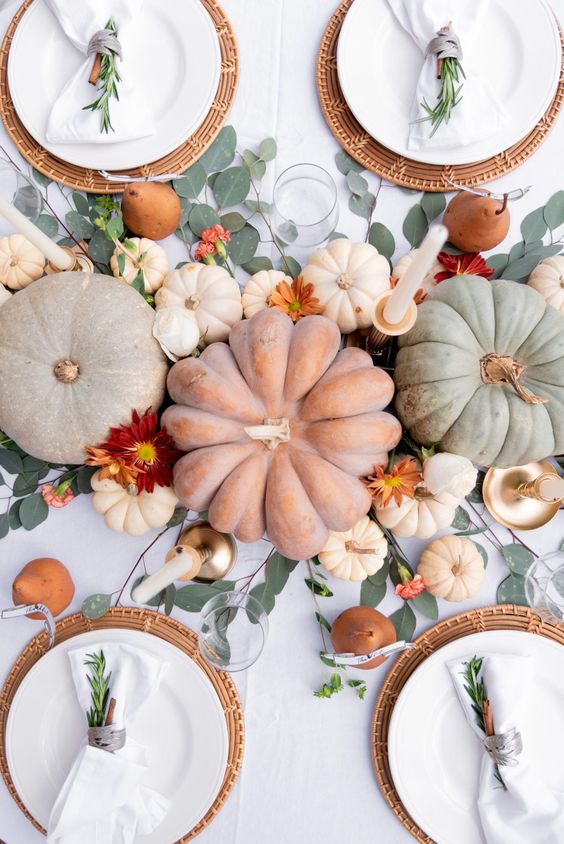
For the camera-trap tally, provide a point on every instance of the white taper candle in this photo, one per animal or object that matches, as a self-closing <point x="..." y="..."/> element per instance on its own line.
<point x="552" y="489"/>
<point x="162" y="578"/>
<point x="412" y="280"/>
<point x="57" y="256"/>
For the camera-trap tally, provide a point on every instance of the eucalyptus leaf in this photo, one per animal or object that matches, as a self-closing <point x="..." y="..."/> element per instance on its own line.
<point x="11" y="461"/>
<point x="25" y="484"/>
<point x="202" y="217"/>
<point x="40" y="178"/>
<point x="185" y="208"/>
<point x="79" y="225"/>
<point x="257" y="264"/>
<point x="357" y="184"/>
<point x="232" y="186"/>
<point x="371" y="594"/>
<point x="336" y="236"/>
<point x="193" y="597"/>
<point x="33" y="511"/>
<point x="186" y="234"/>
<point x="255" y="205"/>
<point x="169" y="596"/>
<point x="268" y="149"/>
<point x="415" y="226"/>
<point x="255" y="166"/>
<point x="14" y="514"/>
<point x="345" y="163"/>
<point x="553" y="211"/>
<point x="33" y="464"/>
<point x="433" y="204"/>
<point x="243" y="245"/>
<point x="84" y="478"/>
<point x="222" y="151"/>
<point x="519" y="560"/>
<point x="264" y="594"/>
<point x="323" y="621"/>
<point x="498" y="263"/>
<point x="80" y="203"/>
<point x="233" y="221"/>
<point x="461" y="519"/>
<point x="121" y="263"/>
<point x="191" y="182"/>
<point x="405" y="622"/>
<point x="177" y="517"/>
<point x="362" y="206"/>
<point x="533" y="226"/>
<point x="427" y="605"/>
<point x="382" y="239"/>
<point x="290" y="266"/>
<point x="25" y="200"/>
<point x="482" y="551"/>
<point x="138" y="282"/>
<point x="472" y="532"/>
<point x="48" y="224"/>
<point x="382" y="574"/>
<point x="95" y="606"/>
<point x="521" y="268"/>
<point x="4" y="525"/>
<point x="547" y="251"/>
<point x="278" y="570"/>
<point x="100" y="248"/>
<point x="517" y="251"/>
<point x="287" y="232"/>
<point x="512" y="591"/>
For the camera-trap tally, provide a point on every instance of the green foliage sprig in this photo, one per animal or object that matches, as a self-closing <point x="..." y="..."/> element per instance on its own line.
<point x="99" y="683"/>
<point x="451" y="77"/>
<point x="477" y="692"/>
<point x="107" y="84"/>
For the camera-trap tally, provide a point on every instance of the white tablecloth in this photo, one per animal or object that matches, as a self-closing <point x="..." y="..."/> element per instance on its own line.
<point x="307" y="773"/>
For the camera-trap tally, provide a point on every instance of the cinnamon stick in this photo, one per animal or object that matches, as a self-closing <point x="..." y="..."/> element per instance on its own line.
<point x="488" y="718"/>
<point x="111" y="711"/>
<point x="96" y="67"/>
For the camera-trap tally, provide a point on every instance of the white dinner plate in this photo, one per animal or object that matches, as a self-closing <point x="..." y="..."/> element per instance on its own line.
<point x="379" y="64"/>
<point x="435" y="756"/>
<point x="182" y="727"/>
<point x="177" y="62"/>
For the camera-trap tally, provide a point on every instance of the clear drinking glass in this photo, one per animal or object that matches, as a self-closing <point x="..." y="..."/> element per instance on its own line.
<point x="305" y="209"/>
<point x="17" y="189"/>
<point x="544" y="587"/>
<point x="233" y="632"/>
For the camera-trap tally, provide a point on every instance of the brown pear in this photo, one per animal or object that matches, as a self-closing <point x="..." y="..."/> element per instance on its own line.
<point x="476" y="223"/>
<point x="361" y="630"/>
<point x="44" y="581"/>
<point x="150" y="209"/>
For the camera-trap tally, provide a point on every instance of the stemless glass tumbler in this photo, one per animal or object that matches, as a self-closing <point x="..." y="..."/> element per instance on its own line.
<point x="305" y="209"/>
<point x="544" y="587"/>
<point x="233" y="632"/>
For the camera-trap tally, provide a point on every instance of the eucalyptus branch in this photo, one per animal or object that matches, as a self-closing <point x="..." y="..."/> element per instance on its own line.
<point x="107" y="84"/>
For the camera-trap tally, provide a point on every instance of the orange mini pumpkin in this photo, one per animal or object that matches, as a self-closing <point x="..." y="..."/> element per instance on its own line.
<point x="279" y="426"/>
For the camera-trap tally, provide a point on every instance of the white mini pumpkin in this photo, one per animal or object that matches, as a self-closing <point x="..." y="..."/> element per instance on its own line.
<point x="548" y="280"/>
<point x="131" y="512"/>
<point x="213" y="296"/>
<point x="347" y="277"/>
<point x="20" y="262"/>
<point x="259" y="289"/>
<point x="357" y="553"/>
<point x="141" y="254"/>
<point x="452" y="568"/>
<point x="420" y="517"/>
<point x="429" y="279"/>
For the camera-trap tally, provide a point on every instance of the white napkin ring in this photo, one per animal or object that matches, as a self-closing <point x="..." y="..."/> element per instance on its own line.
<point x="108" y="738"/>
<point x="504" y="748"/>
<point x="445" y="45"/>
<point x="105" y="43"/>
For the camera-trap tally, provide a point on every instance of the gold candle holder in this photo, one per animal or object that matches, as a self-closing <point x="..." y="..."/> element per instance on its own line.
<point x="382" y="331"/>
<point x="81" y="263"/>
<point x="513" y="498"/>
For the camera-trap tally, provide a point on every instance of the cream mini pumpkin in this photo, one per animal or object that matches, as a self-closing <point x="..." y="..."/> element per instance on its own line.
<point x="209" y="293"/>
<point x="259" y="289"/>
<point x="428" y="280"/>
<point x="548" y="280"/>
<point x="452" y="568"/>
<point x="347" y="277"/>
<point x="131" y="512"/>
<point x="77" y="356"/>
<point x="141" y="254"/>
<point x="20" y="262"/>
<point x="357" y="553"/>
<point x="421" y="516"/>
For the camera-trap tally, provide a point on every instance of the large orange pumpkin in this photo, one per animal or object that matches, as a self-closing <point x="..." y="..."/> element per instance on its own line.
<point x="279" y="426"/>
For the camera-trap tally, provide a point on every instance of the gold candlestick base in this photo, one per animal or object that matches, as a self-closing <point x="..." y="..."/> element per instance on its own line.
<point x="220" y="548"/>
<point x="382" y="331"/>
<point x="81" y="263"/>
<point x="511" y="496"/>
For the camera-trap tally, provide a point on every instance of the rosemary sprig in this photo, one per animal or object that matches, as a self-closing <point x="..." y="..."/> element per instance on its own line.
<point x="478" y="694"/>
<point x="451" y="75"/>
<point x="107" y="84"/>
<point x="100" y="689"/>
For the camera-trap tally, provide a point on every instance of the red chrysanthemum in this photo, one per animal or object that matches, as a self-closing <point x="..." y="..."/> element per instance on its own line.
<point x="150" y="453"/>
<point x="469" y="263"/>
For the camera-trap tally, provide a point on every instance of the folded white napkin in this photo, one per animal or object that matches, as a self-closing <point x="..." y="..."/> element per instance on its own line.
<point x="103" y="800"/>
<point x="527" y="811"/>
<point x="130" y="116"/>
<point x="479" y="114"/>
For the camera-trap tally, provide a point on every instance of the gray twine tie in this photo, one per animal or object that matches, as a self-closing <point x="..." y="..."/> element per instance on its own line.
<point x="108" y="738"/>
<point x="445" y="45"/>
<point x="105" y="43"/>
<point x="504" y="748"/>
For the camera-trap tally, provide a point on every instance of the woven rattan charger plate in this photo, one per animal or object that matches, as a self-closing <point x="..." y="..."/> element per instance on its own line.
<point x="146" y="621"/>
<point x="175" y="162"/>
<point x="506" y="617"/>
<point x="403" y="171"/>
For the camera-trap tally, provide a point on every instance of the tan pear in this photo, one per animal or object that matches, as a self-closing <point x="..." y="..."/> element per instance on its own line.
<point x="476" y="223"/>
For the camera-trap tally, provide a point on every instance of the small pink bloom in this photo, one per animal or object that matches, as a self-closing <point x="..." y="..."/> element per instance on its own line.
<point x="204" y="252"/>
<point x="411" y="589"/>
<point x="51" y="498"/>
<point x="215" y="233"/>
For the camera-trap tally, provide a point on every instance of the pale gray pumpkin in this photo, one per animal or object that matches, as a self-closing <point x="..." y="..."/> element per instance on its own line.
<point x="77" y="355"/>
<point x="482" y="372"/>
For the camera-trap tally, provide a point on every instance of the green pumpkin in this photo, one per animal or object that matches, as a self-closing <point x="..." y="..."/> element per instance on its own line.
<point x="482" y="372"/>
